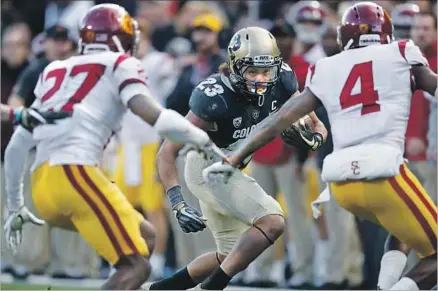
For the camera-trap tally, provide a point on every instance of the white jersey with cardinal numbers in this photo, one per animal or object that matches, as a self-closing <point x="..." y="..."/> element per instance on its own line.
<point x="98" y="88"/>
<point x="367" y="94"/>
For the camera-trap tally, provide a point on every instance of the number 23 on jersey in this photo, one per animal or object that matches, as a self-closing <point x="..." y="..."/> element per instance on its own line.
<point x="210" y="87"/>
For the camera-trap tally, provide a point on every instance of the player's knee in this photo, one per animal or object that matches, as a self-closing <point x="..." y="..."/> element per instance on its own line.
<point x="148" y="233"/>
<point x="272" y="225"/>
<point x="220" y="257"/>
<point x="133" y="267"/>
<point x="144" y="268"/>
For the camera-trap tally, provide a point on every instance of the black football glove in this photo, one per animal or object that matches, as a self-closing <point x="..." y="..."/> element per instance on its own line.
<point x="189" y="218"/>
<point x="29" y="118"/>
<point x="302" y="136"/>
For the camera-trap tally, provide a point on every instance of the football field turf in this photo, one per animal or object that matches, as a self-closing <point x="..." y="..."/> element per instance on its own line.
<point x="26" y="286"/>
<point x="35" y="282"/>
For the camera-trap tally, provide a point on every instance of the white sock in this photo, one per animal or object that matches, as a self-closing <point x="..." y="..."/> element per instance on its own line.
<point x="157" y="262"/>
<point x="74" y="271"/>
<point x="320" y="257"/>
<point x="391" y="268"/>
<point x="252" y="273"/>
<point x="405" y="283"/>
<point x="277" y="271"/>
<point x="21" y="269"/>
<point x="112" y="270"/>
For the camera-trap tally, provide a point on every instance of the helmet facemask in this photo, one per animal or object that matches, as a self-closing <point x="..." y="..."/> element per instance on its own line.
<point x="136" y="36"/>
<point x="256" y="76"/>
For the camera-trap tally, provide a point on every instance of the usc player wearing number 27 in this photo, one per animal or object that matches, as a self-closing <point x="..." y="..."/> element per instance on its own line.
<point x="69" y="189"/>
<point x="367" y="90"/>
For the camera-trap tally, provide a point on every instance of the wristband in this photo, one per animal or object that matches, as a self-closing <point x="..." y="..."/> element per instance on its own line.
<point x="16" y="114"/>
<point x="174" y="195"/>
<point x="12" y="116"/>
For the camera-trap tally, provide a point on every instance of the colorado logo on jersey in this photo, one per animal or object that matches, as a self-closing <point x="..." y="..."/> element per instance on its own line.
<point x="244" y="132"/>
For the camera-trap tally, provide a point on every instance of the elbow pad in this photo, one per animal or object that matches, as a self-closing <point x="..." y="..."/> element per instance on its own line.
<point x="177" y="129"/>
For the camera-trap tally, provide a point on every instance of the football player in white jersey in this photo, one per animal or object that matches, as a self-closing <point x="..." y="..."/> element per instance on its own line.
<point x="68" y="188"/>
<point x="366" y="90"/>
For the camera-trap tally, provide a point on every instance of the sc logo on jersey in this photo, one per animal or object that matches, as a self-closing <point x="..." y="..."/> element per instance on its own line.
<point x="242" y="133"/>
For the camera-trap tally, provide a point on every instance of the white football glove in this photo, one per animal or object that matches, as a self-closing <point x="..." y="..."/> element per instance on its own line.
<point x="209" y="150"/>
<point x="218" y="172"/>
<point x="14" y="225"/>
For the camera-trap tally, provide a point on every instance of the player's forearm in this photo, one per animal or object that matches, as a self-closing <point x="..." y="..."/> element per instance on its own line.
<point x="7" y="113"/>
<point x="145" y="107"/>
<point x="263" y="134"/>
<point x="16" y="101"/>
<point x="16" y="155"/>
<point x="166" y="164"/>
<point x="425" y="80"/>
<point x="178" y="129"/>
<point x="13" y="114"/>
<point x="168" y="123"/>
<point x="272" y="126"/>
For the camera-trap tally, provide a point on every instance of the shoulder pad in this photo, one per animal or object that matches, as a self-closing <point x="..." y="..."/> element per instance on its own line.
<point x="207" y="101"/>
<point x="124" y="61"/>
<point x="288" y="79"/>
<point x="411" y="53"/>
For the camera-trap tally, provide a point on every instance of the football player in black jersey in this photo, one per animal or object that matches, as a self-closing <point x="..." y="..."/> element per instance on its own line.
<point x="244" y="220"/>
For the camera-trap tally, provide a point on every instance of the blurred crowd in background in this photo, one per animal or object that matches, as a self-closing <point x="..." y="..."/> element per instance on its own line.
<point x="183" y="42"/>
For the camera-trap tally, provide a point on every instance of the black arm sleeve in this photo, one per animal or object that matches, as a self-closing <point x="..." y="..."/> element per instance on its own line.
<point x="178" y="99"/>
<point x="26" y="84"/>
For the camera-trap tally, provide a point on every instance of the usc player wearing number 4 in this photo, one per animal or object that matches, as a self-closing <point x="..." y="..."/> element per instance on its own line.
<point x="367" y="90"/>
<point x="69" y="189"/>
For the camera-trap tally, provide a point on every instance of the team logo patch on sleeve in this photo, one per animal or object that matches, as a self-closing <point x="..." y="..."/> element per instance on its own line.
<point x="237" y="122"/>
